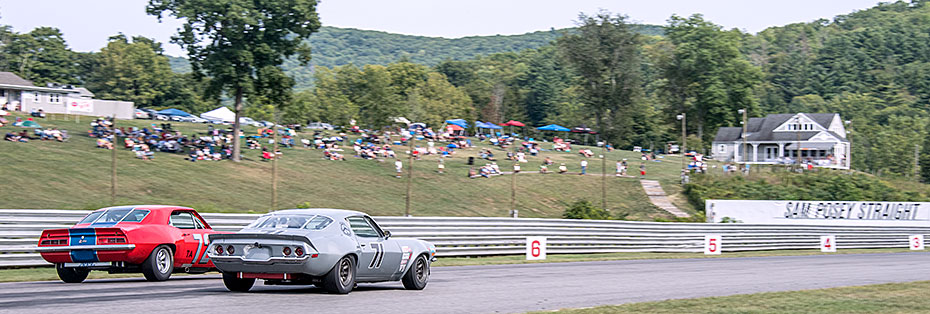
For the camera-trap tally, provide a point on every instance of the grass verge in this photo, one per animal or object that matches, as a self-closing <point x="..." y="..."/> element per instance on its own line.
<point x="884" y="298"/>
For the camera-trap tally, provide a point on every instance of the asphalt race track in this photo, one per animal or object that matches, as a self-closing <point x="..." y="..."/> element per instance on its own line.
<point x="479" y="289"/>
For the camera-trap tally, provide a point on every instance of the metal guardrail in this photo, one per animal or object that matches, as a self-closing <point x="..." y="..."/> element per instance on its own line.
<point x="473" y="236"/>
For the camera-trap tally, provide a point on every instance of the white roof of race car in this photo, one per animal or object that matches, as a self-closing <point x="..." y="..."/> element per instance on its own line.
<point x="333" y="213"/>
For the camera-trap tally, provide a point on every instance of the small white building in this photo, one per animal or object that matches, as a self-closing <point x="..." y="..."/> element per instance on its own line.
<point x="815" y="138"/>
<point x="19" y="94"/>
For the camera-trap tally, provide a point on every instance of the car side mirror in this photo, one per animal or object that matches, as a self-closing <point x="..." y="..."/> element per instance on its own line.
<point x="387" y="234"/>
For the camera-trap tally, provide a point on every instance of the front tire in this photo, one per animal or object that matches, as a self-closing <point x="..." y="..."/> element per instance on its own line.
<point x="236" y="284"/>
<point x="417" y="276"/>
<point x="340" y="279"/>
<point x="71" y="274"/>
<point x="159" y="265"/>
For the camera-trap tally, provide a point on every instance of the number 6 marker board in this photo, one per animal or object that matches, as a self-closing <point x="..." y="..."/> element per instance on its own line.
<point x="535" y="248"/>
<point x="712" y="244"/>
<point x="916" y="242"/>
<point x="828" y="243"/>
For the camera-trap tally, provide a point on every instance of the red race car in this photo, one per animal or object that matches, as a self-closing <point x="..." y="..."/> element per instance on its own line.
<point x="154" y="240"/>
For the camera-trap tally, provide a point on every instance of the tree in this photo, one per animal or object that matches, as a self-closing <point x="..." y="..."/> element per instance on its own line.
<point x="604" y="54"/>
<point x="707" y="75"/>
<point x="131" y="70"/>
<point x="241" y="43"/>
<point x="42" y="56"/>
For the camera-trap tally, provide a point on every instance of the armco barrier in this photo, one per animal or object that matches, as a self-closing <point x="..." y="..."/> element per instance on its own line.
<point x="461" y="236"/>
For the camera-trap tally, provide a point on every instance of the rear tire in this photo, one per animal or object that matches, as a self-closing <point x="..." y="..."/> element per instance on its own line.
<point x="71" y="274"/>
<point x="237" y="284"/>
<point x="340" y="279"/>
<point x="159" y="265"/>
<point x="417" y="276"/>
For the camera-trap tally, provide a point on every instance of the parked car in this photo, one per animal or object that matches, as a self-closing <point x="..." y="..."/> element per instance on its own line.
<point x="330" y="248"/>
<point x="319" y="126"/>
<point x="141" y="114"/>
<point x="162" y="117"/>
<point x="151" y="239"/>
<point x="196" y="119"/>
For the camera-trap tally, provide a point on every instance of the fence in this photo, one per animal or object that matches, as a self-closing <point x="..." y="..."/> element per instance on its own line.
<point x="460" y="236"/>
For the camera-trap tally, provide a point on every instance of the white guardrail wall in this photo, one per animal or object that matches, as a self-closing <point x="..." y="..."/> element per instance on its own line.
<point x="479" y="236"/>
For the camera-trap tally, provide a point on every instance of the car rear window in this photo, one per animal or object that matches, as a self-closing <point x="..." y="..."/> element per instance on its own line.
<point x="284" y="222"/>
<point x="91" y="217"/>
<point x="113" y="215"/>
<point x="136" y="215"/>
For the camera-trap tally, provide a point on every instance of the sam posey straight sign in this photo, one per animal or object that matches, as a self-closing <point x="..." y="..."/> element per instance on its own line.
<point x="820" y="212"/>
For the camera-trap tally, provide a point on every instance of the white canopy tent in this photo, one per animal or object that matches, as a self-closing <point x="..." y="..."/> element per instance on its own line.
<point x="221" y="114"/>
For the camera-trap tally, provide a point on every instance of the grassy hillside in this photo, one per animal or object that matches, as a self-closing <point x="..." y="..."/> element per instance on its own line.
<point x="334" y="46"/>
<point x="75" y="175"/>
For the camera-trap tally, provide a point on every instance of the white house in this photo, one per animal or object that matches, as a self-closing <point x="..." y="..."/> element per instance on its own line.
<point x="20" y="94"/>
<point x="816" y="138"/>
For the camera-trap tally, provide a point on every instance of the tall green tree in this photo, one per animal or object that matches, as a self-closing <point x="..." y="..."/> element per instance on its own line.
<point x="240" y="44"/>
<point x="707" y="75"/>
<point x="605" y="55"/>
<point x="132" y="71"/>
<point x="42" y="56"/>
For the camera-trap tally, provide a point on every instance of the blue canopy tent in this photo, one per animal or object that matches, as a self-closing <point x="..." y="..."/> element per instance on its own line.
<point x="174" y="112"/>
<point x="459" y="122"/>
<point x="554" y="127"/>
<point x="489" y="125"/>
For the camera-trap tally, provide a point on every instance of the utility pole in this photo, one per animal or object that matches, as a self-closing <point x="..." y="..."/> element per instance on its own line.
<point x="274" y="161"/>
<point x="113" y="162"/>
<point x="745" y="127"/>
<point x="409" y="173"/>
<point x="604" y="174"/>
<point x="916" y="162"/>
<point x="797" y="132"/>
<point x="684" y="138"/>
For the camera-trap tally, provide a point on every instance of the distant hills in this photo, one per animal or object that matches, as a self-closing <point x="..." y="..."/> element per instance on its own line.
<point x="334" y="46"/>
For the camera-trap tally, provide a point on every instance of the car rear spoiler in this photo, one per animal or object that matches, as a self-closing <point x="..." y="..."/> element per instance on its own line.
<point x="260" y="236"/>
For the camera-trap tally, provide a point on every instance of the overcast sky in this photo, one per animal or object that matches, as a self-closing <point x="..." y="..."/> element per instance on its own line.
<point x="87" y="24"/>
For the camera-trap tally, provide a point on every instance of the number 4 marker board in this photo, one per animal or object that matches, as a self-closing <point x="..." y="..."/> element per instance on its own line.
<point x="916" y="242"/>
<point x="535" y="248"/>
<point x="712" y="245"/>
<point x="828" y="243"/>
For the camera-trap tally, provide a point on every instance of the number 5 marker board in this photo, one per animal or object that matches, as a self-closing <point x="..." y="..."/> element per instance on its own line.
<point x="535" y="248"/>
<point x="916" y="242"/>
<point x="712" y="244"/>
<point x="828" y="243"/>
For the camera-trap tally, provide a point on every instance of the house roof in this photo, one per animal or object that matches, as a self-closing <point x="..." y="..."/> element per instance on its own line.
<point x="762" y="129"/>
<point x="8" y="78"/>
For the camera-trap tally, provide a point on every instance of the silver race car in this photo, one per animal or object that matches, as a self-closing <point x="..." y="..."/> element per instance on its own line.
<point x="330" y="248"/>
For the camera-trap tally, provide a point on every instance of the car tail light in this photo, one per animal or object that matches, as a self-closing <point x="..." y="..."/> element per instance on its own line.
<point x="54" y="242"/>
<point x="219" y="249"/>
<point x="286" y="251"/>
<point x="314" y="255"/>
<point x="299" y="251"/>
<point x="111" y="240"/>
<point x="230" y="249"/>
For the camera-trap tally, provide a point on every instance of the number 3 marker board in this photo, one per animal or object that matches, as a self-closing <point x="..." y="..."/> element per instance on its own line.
<point x="828" y="243"/>
<point x="916" y="242"/>
<point x="712" y="244"/>
<point x="535" y="248"/>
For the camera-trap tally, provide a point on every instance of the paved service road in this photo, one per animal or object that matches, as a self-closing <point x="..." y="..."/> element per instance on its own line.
<point x="480" y="289"/>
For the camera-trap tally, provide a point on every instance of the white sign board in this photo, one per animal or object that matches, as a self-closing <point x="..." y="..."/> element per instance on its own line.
<point x="80" y="105"/>
<point x="535" y="248"/>
<point x="712" y="244"/>
<point x="828" y="243"/>
<point x="916" y="242"/>
<point x="838" y="213"/>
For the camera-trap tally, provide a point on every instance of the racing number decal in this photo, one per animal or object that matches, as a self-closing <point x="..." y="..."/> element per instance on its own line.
<point x="379" y="254"/>
<point x="202" y="239"/>
<point x="917" y="242"/>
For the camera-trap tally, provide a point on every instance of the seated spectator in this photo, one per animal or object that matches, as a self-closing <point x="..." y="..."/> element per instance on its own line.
<point x="543" y="169"/>
<point x="562" y="168"/>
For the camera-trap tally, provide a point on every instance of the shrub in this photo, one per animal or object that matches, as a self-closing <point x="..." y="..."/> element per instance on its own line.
<point x="582" y="209"/>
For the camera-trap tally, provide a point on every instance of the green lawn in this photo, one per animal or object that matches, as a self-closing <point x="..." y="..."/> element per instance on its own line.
<point x="75" y="175"/>
<point x="884" y="298"/>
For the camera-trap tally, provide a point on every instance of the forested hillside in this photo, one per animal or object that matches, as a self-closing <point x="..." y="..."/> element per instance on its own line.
<point x="334" y="46"/>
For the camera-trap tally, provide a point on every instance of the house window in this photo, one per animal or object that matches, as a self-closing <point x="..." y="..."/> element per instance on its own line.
<point x="54" y="98"/>
<point x="721" y="148"/>
<point x="37" y="97"/>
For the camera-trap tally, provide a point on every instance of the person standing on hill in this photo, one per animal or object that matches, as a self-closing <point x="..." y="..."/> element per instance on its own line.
<point x="441" y="166"/>
<point x="619" y="168"/>
<point x="584" y="167"/>
<point x="642" y="170"/>
<point x="399" y="166"/>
